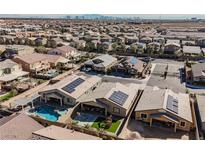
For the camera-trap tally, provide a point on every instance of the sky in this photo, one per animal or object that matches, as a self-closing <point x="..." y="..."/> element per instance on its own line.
<point x="142" y="16"/>
<point x="123" y="7"/>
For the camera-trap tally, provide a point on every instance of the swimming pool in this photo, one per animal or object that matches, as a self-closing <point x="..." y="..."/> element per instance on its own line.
<point x="48" y="113"/>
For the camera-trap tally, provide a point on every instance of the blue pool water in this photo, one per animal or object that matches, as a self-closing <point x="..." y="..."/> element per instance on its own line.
<point x="133" y="60"/>
<point x="47" y="112"/>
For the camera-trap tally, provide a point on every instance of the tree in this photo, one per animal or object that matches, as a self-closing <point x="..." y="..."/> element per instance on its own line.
<point x="114" y="47"/>
<point x="41" y="49"/>
<point x="101" y="48"/>
<point x="133" y="48"/>
<point x="121" y="48"/>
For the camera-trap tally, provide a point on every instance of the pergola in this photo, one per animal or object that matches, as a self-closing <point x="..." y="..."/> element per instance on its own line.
<point x="24" y="101"/>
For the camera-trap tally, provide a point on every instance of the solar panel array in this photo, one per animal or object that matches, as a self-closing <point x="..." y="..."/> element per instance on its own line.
<point x="71" y="86"/>
<point x="118" y="97"/>
<point x="172" y="104"/>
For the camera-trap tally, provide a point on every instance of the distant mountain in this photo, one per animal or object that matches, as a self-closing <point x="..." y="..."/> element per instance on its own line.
<point x="105" y="16"/>
<point x="91" y="16"/>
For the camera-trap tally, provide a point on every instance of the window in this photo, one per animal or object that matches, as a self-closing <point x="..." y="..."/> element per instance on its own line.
<point x="182" y="124"/>
<point x="116" y="110"/>
<point x="68" y="100"/>
<point x="143" y="116"/>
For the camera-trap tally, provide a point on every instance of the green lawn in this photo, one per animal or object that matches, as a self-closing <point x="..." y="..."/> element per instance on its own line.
<point x="112" y="129"/>
<point x="6" y="96"/>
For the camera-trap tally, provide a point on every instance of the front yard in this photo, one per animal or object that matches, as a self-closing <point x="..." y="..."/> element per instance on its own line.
<point x="100" y="121"/>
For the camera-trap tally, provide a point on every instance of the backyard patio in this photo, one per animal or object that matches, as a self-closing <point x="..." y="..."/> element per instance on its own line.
<point x="96" y="121"/>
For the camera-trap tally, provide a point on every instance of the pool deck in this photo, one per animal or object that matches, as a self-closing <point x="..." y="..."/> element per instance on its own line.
<point x="64" y="118"/>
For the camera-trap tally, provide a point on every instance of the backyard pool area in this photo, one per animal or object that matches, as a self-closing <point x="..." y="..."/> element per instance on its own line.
<point x="48" y="113"/>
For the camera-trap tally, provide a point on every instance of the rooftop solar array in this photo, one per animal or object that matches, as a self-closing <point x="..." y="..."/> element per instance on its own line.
<point x="118" y="97"/>
<point x="71" y="86"/>
<point x="172" y="104"/>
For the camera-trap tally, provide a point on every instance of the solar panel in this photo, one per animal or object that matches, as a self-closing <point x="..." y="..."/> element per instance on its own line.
<point x="118" y="97"/>
<point x="172" y="104"/>
<point x="71" y="86"/>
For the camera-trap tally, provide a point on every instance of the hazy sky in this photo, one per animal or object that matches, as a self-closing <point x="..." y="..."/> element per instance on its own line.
<point x="144" y="16"/>
<point x="106" y="7"/>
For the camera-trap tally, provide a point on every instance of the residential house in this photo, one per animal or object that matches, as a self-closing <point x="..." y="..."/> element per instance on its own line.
<point x="101" y="63"/>
<point x="58" y="133"/>
<point x="154" y="47"/>
<point x="173" y="41"/>
<point x="95" y="43"/>
<point x="146" y="40"/>
<point x="119" y="40"/>
<point x="200" y="42"/>
<point x="70" y="89"/>
<point x="188" y="43"/>
<point x="78" y="44"/>
<point x="66" y="37"/>
<point x="114" y="98"/>
<point x="172" y="48"/>
<point x="9" y="39"/>
<point x="30" y="41"/>
<point x="56" y="60"/>
<point x="105" y="46"/>
<point x="18" y="127"/>
<point x="40" y="41"/>
<point x="106" y="38"/>
<point x="198" y="72"/>
<point x="192" y="50"/>
<point x="140" y="47"/>
<point x="10" y="71"/>
<point x="166" y="108"/>
<point x="13" y="50"/>
<point x="200" y="111"/>
<point x="130" y="40"/>
<point x="160" y="40"/>
<point x="65" y="51"/>
<point x="33" y="63"/>
<point x="132" y="66"/>
<point x="2" y="40"/>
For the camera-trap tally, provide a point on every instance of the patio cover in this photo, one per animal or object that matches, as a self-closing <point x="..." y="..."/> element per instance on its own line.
<point x="165" y="115"/>
<point x="25" y="100"/>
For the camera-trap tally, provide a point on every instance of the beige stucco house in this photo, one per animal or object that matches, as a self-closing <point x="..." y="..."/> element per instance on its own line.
<point x="10" y="71"/>
<point x="33" y="63"/>
<point x="101" y="63"/>
<point x="165" y="107"/>
<point x="114" y="98"/>
<point x="70" y="89"/>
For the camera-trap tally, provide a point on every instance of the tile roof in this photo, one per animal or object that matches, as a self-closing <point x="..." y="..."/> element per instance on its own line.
<point x="7" y="64"/>
<point x="20" y="127"/>
<point x="201" y="104"/>
<point x="198" y="70"/>
<point x="154" y="98"/>
<point x="32" y="58"/>
<point x="58" y="133"/>
<point x="192" y="49"/>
